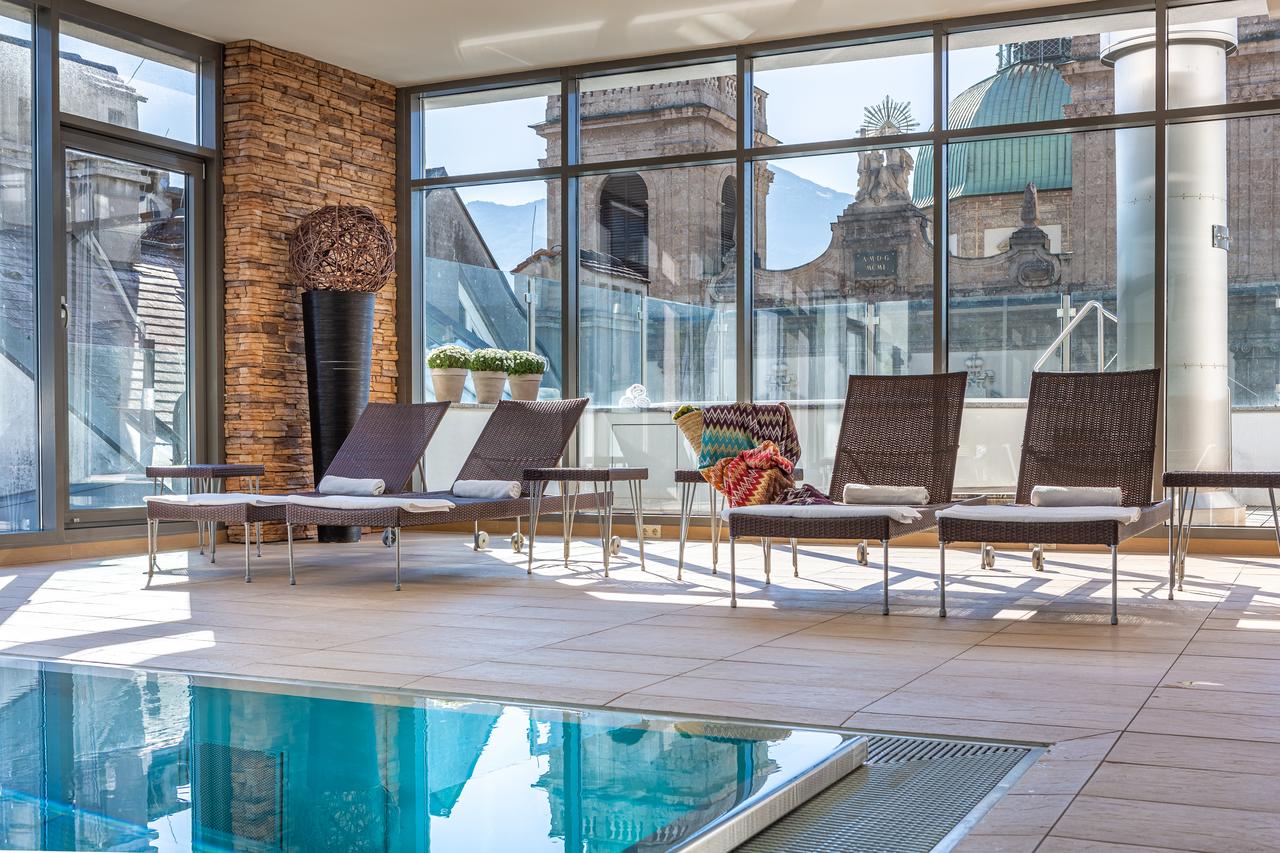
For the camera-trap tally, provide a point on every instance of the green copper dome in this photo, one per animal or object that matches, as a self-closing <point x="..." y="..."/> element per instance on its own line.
<point x="1019" y="93"/>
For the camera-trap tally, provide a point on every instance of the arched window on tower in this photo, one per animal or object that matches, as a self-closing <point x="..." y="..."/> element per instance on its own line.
<point x="624" y="218"/>
<point x="728" y="221"/>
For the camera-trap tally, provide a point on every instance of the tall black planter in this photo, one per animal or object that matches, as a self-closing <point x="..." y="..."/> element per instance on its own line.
<point x="339" y="339"/>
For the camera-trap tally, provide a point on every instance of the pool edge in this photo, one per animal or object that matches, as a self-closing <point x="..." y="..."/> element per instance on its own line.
<point x="726" y="833"/>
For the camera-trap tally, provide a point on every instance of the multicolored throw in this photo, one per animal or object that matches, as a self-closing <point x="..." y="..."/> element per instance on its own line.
<point x="730" y="429"/>
<point x="753" y="477"/>
<point x="805" y="495"/>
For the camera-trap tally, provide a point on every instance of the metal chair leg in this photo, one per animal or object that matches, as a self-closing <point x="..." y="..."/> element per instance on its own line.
<point x="686" y="510"/>
<point x="733" y="573"/>
<point x="535" y="504"/>
<point x="1275" y="518"/>
<point x="257" y="490"/>
<point x="1115" y="619"/>
<point x="288" y="532"/>
<point x="942" y="579"/>
<point x="397" y="559"/>
<point x="715" y="528"/>
<point x="151" y="552"/>
<point x="795" y="558"/>
<point x="767" y="544"/>
<point x="885" y="609"/>
<point x="637" y="501"/>
<point x="566" y="518"/>
<point x="1172" y="573"/>
<point x="248" y="578"/>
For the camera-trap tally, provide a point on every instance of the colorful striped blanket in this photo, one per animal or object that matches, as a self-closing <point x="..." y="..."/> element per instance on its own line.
<point x="753" y="477"/>
<point x="727" y="430"/>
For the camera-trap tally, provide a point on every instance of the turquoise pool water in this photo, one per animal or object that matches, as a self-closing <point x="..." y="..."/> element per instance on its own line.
<point x="113" y="759"/>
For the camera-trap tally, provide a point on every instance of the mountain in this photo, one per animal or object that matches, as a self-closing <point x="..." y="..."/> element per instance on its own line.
<point x="513" y="231"/>
<point x="798" y="219"/>
<point x="798" y="228"/>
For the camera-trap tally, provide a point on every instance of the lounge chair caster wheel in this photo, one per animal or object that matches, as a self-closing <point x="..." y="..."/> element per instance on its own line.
<point x="1037" y="558"/>
<point x="482" y="541"/>
<point x="388" y="537"/>
<point x="517" y="542"/>
<point x="988" y="556"/>
<point x="615" y="546"/>
<point x="862" y="553"/>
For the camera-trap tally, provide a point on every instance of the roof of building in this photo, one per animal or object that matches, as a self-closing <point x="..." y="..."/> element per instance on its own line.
<point x="1022" y="92"/>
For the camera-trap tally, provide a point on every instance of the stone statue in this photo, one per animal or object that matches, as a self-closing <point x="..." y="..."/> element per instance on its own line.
<point x="1030" y="206"/>
<point x="897" y="174"/>
<point x="884" y="176"/>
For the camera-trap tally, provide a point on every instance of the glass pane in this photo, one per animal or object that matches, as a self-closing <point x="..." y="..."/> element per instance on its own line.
<point x="492" y="131"/>
<point x="657" y="285"/>
<point x="127" y="84"/>
<point x="1223" y="342"/>
<point x="798" y="89"/>
<point x="1222" y="53"/>
<point x="843" y="284"/>
<point x="687" y="110"/>
<point x="1051" y="71"/>
<point x="491" y="272"/>
<point x="19" y="481"/>
<point x="1051" y="266"/>
<point x="128" y="395"/>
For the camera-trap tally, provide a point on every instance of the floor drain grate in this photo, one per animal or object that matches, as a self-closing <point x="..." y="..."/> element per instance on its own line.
<point x="913" y="794"/>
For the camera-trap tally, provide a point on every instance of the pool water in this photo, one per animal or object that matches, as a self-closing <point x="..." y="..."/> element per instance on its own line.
<point x="113" y="759"/>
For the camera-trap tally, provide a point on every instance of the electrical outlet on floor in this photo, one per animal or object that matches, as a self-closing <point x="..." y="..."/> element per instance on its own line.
<point x="652" y="531"/>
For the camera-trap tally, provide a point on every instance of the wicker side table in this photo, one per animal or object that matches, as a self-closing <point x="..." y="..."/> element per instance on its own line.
<point x="602" y="484"/>
<point x="204" y="477"/>
<point x="1178" y="483"/>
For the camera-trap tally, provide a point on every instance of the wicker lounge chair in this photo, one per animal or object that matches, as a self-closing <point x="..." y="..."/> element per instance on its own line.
<point x="386" y="443"/>
<point x="1083" y="429"/>
<point x="520" y="439"/>
<point x="896" y="431"/>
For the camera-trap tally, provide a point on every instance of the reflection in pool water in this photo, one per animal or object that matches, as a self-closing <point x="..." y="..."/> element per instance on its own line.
<point x="127" y="760"/>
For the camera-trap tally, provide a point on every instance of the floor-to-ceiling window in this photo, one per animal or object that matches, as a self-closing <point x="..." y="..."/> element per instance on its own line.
<point x="20" y="450"/>
<point x="108" y="140"/>
<point x="995" y="197"/>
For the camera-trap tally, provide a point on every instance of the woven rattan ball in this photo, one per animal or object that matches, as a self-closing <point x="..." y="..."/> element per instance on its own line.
<point x="341" y="247"/>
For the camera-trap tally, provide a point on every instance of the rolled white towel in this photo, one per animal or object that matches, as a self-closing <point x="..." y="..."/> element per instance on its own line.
<point x="858" y="493"/>
<point x="1076" y="496"/>
<point x="494" y="490"/>
<point x="330" y="485"/>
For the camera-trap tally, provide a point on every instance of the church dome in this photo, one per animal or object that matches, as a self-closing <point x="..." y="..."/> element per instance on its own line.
<point x="1019" y="92"/>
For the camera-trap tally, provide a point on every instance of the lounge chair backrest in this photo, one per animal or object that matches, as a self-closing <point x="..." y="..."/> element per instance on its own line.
<point x="900" y="431"/>
<point x="387" y="442"/>
<point x="1091" y="429"/>
<point x="520" y="435"/>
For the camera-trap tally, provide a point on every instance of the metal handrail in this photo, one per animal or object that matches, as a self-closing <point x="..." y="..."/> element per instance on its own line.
<point x="1103" y="316"/>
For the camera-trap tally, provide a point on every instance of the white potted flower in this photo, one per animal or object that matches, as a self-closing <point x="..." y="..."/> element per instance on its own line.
<point x="489" y="373"/>
<point x="448" y="371"/>
<point x="525" y="374"/>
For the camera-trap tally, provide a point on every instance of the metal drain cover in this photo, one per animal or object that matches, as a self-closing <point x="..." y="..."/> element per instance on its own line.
<point x="913" y="794"/>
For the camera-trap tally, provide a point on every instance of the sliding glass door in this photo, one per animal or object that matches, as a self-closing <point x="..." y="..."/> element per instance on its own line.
<point x="129" y="263"/>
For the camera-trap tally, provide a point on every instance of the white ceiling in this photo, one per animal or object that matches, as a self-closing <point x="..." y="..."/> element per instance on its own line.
<point x="419" y="41"/>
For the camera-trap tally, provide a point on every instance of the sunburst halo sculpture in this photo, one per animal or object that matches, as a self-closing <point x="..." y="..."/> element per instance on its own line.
<point x="888" y="117"/>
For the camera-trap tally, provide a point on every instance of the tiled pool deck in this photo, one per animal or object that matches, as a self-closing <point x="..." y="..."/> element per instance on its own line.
<point x="1166" y="728"/>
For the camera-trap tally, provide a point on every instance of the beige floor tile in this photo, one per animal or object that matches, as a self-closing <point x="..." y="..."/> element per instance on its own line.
<point x="1197" y="753"/>
<point x="668" y="641"/>
<point x="1217" y="788"/>
<point x="739" y="709"/>
<point x="1232" y="726"/>
<point x="1022" y="814"/>
<point x="570" y="678"/>
<point x="980" y="729"/>
<point x="1076" y="714"/>
<point x="1171" y="826"/>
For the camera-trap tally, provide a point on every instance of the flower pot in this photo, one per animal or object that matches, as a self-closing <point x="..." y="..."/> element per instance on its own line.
<point x="525" y="386"/>
<point x="488" y="385"/>
<point x="448" y="382"/>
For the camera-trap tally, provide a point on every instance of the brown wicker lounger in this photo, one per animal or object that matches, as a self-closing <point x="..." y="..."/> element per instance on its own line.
<point x="1083" y="429"/>
<point x="896" y="431"/>
<point x="518" y="437"/>
<point x="386" y="443"/>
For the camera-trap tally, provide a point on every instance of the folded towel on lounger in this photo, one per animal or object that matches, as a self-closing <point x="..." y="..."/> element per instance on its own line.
<point x="1022" y="514"/>
<point x="408" y="503"/>
<point x="330" y="485"/>
<point x="217" y="499"/>
<point x="493" y="490"/>
<point x="858" y="493"/>
<point x="1076" y="496"/>
<point x="900" y="514"/>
